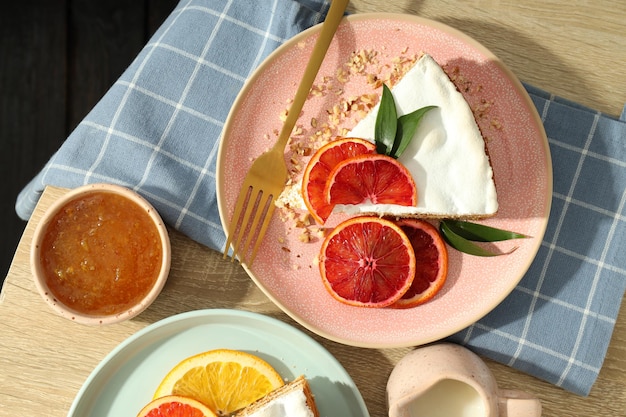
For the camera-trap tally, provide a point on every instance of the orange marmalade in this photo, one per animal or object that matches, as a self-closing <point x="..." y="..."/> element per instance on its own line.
<point x="101" y="254"/>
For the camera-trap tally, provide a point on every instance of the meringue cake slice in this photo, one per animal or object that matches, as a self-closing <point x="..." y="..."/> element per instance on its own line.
<point x="447" y="157"/>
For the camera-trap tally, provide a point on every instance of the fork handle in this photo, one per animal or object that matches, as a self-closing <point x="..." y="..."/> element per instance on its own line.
<point x="329" y="27"/>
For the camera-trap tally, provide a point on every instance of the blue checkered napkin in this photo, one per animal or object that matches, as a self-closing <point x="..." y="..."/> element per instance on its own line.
<point x="558" y="322"/>
<point x="157" y="130"/>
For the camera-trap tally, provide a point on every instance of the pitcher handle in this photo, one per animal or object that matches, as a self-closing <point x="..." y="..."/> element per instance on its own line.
<point x="513" y="403"/>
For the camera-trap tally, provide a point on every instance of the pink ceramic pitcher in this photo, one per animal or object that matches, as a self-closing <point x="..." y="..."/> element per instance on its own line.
<point x="448" y="380"/>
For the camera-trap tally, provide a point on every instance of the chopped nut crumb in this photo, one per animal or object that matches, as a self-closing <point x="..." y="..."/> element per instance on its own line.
<point x="305" y="236"/>
<point x="373" y="69"/>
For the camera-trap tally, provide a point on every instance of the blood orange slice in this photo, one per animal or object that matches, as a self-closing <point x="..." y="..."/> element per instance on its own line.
<point x="319" y="167"/>
<point x="175" y="406"/>
<point x="376" y="178"/>
<point x="367" y="261"/>
<point x="431" y="262"/>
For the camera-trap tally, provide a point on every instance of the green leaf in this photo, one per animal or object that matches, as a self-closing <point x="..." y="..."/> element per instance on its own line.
<point x="464" y="245"/>
<point x="407" y="125"/>
<point x="386" y="123"/>
<point x="481" y="233"/>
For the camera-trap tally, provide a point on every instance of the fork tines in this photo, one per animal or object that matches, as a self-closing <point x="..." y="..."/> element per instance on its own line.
<point x="252" y="215"/>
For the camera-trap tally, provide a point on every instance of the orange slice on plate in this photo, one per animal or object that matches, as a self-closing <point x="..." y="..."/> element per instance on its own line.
<point x="224" y="380"/>
<point x="367" y="261"/>
<point x="175" y="406"/>
<point x="374" y="178"/>
<point x="431" y="262"/>
<point x="319" y="167"/>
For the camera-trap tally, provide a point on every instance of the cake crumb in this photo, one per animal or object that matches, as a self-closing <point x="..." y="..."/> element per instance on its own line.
<point x="371" y="68"/>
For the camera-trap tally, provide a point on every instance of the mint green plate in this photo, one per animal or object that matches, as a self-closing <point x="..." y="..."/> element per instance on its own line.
<point x="127" y="377"/>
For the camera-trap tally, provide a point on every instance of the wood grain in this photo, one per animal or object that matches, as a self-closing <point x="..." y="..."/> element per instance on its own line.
<point x="32" y="103"/>
<point x="40" y="353"/>
<point x="575" y="49"/>
<point x="100" y="48"/>
<point x="58" y="59"/>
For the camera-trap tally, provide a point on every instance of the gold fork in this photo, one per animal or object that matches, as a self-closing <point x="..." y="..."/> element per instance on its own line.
<point x="268" y="174"/>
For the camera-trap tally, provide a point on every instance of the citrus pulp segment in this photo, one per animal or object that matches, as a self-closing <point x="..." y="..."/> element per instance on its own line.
<point x="224" y="380"/>
<point x="374" y="178"/>
<point x="431" y="262"/>
<point x="175" y="406"/>
<point x="319" y="167"/>
<point x="367" y="261"/>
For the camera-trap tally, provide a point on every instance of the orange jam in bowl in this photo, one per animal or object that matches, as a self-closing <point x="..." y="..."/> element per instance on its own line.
<point x="100" y="254"/>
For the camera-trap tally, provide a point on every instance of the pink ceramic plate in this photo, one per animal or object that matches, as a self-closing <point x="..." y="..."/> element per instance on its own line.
<point x="286" y="269"/>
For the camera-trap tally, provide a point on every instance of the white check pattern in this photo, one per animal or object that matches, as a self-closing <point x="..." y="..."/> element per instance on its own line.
<point x="158" y="128"/>
<point x="558" y="322"/>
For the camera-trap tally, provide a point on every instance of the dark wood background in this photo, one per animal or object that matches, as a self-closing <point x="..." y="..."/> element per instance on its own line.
<point x="57" y="59"/>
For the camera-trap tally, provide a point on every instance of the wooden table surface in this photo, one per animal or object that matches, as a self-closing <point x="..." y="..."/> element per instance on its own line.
<point x="64" y="55"/>
<point x="575" y="49"/>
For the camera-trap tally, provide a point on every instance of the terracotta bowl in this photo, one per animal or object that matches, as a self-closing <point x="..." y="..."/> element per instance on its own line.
<point x="100" y="254"/>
